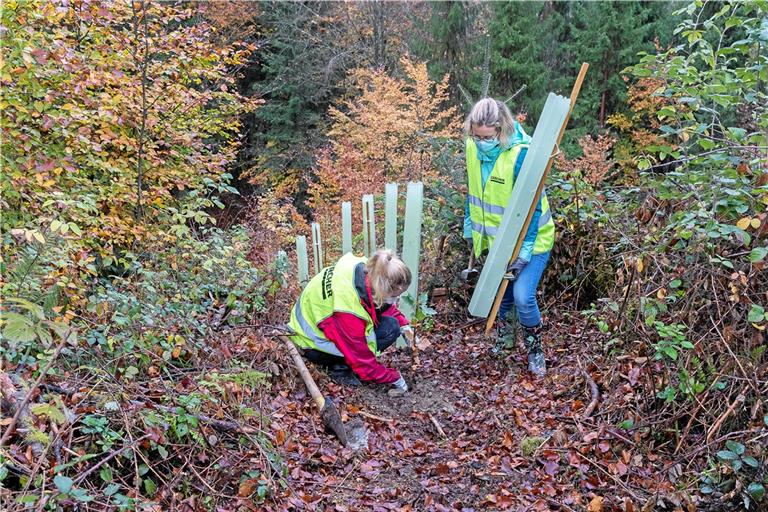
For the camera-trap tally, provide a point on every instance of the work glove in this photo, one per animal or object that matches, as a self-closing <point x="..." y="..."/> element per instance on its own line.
<point x="400" y="384"/>
<point x="513" y="271"/>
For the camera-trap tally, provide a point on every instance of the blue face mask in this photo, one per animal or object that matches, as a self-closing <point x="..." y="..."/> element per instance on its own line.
<point x="484" y="146"/>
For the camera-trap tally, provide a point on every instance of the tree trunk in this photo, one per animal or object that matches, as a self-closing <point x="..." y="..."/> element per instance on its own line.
<point x="602" y="98"/>
<point x="379" y="34"/>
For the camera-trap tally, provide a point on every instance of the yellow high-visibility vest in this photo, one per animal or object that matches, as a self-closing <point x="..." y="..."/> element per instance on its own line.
<point x="487" y="203"/>
<point x="332" y="290"/>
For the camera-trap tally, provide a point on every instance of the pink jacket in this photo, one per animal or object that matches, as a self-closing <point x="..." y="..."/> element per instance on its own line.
<point x="347" y="332"/>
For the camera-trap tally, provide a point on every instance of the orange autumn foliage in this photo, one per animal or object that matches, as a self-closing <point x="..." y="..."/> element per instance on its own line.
<point x="639" y="128"/>
<point x="595" y="163"/>
<point x="385" y="133"/>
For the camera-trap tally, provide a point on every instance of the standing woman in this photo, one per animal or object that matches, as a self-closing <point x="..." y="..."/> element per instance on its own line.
<point x="495" y="148"/>
<point x="347" y="315"/>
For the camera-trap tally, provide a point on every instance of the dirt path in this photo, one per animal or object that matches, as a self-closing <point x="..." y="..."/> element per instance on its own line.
<point x="476" y="432"/>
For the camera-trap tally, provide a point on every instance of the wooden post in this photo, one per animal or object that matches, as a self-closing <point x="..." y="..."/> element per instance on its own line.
<point x="317" y="247"/>
<point x="369" y="225"/>
<point x="503" y="286"/>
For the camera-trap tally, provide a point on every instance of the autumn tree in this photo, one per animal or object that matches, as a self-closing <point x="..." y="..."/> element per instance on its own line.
<point x="386" y="133"/>
<point x="119" y="121"/>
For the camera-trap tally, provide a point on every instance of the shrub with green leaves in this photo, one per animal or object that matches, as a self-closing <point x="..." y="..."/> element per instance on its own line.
<point x="174" y="299"/>
<point x="736" y="472"/>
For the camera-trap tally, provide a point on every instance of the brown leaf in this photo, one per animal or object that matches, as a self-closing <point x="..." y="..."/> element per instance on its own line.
<point x="596" y="505"/>
<point x="423" y="343"/>
<point x="551" y="467"/>
<point x="518" y="418"/>
<point x="442" y="469"/>
<point x="490" y="498"/>
<point x="247" y="488"/>
<point x="590" y="437"/>
<point x="41" y="56"/>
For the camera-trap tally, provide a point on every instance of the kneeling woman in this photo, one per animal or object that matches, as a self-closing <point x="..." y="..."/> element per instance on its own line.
<point x="347" y="315"/>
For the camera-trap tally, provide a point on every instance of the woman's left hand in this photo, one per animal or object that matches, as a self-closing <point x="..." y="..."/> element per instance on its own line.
<point x="513" y="271"/>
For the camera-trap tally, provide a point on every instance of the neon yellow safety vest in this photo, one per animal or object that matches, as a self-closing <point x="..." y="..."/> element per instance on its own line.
<point x="332" y="290"/>
<point x="487" y="204"/>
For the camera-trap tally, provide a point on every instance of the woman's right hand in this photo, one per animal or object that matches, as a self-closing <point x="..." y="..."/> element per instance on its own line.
<point x="400" y="384"/>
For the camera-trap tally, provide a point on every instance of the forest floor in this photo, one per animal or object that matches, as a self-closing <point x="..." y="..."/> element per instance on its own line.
<point x="476" y="431"/>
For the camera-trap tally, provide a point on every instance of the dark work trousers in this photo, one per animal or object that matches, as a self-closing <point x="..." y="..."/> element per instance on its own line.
<point x="386" y="334"/>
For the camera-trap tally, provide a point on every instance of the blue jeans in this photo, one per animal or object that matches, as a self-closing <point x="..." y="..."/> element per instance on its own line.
<point x="522" y="292"/>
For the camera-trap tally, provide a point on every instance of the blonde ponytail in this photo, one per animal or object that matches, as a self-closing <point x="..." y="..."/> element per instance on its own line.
<point x="388" y="275"/>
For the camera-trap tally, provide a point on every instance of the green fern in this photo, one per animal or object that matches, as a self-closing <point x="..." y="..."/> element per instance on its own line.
<point x="49" y="411"/>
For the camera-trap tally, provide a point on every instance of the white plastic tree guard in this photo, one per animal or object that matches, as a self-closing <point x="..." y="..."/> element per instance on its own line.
<point x="390" y="216"/>
<point x="301" y="259"/>
<point x="346" y="227"/>
<point x="414" y="204"/>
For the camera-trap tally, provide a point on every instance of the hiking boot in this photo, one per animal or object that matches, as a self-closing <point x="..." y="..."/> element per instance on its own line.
<point x="536" y="363"/>
<point x="343" y="374"/>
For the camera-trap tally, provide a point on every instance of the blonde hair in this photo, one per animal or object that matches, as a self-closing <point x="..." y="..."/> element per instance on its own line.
<point x="388" y="275"/>
<point x="490" y="112"/>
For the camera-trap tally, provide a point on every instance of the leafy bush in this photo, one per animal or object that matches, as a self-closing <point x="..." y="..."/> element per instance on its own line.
<point x="175" y="298"/>
<point x="680" y="239"/>
<point x="117" y="128"/>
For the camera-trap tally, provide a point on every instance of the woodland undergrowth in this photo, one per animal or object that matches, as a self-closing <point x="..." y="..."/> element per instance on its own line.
<point x="139" y="355"/>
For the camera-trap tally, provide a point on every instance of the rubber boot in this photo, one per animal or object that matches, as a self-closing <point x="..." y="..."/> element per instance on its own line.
<point x="343" y="374"/>
<point x="536" y="362"/>
<point x="506" y="333"/>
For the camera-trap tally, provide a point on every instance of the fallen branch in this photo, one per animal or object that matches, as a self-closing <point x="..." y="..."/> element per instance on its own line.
<point x="438" y="426"/>
<point x="112" y="455"/>
<point x="595" y="393"/>
<point x="374" y="417"/>
<point x="740" y="398"/>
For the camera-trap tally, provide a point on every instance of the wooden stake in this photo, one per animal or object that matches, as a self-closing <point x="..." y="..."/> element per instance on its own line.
<point x="516" y="251"/>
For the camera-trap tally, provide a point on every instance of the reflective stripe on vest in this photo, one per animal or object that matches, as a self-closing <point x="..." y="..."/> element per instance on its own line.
<point x="488" y="208"/>
<point x="330" y="291"/>
<point x="322" y="344"/>
<point x="488" y="202"/>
